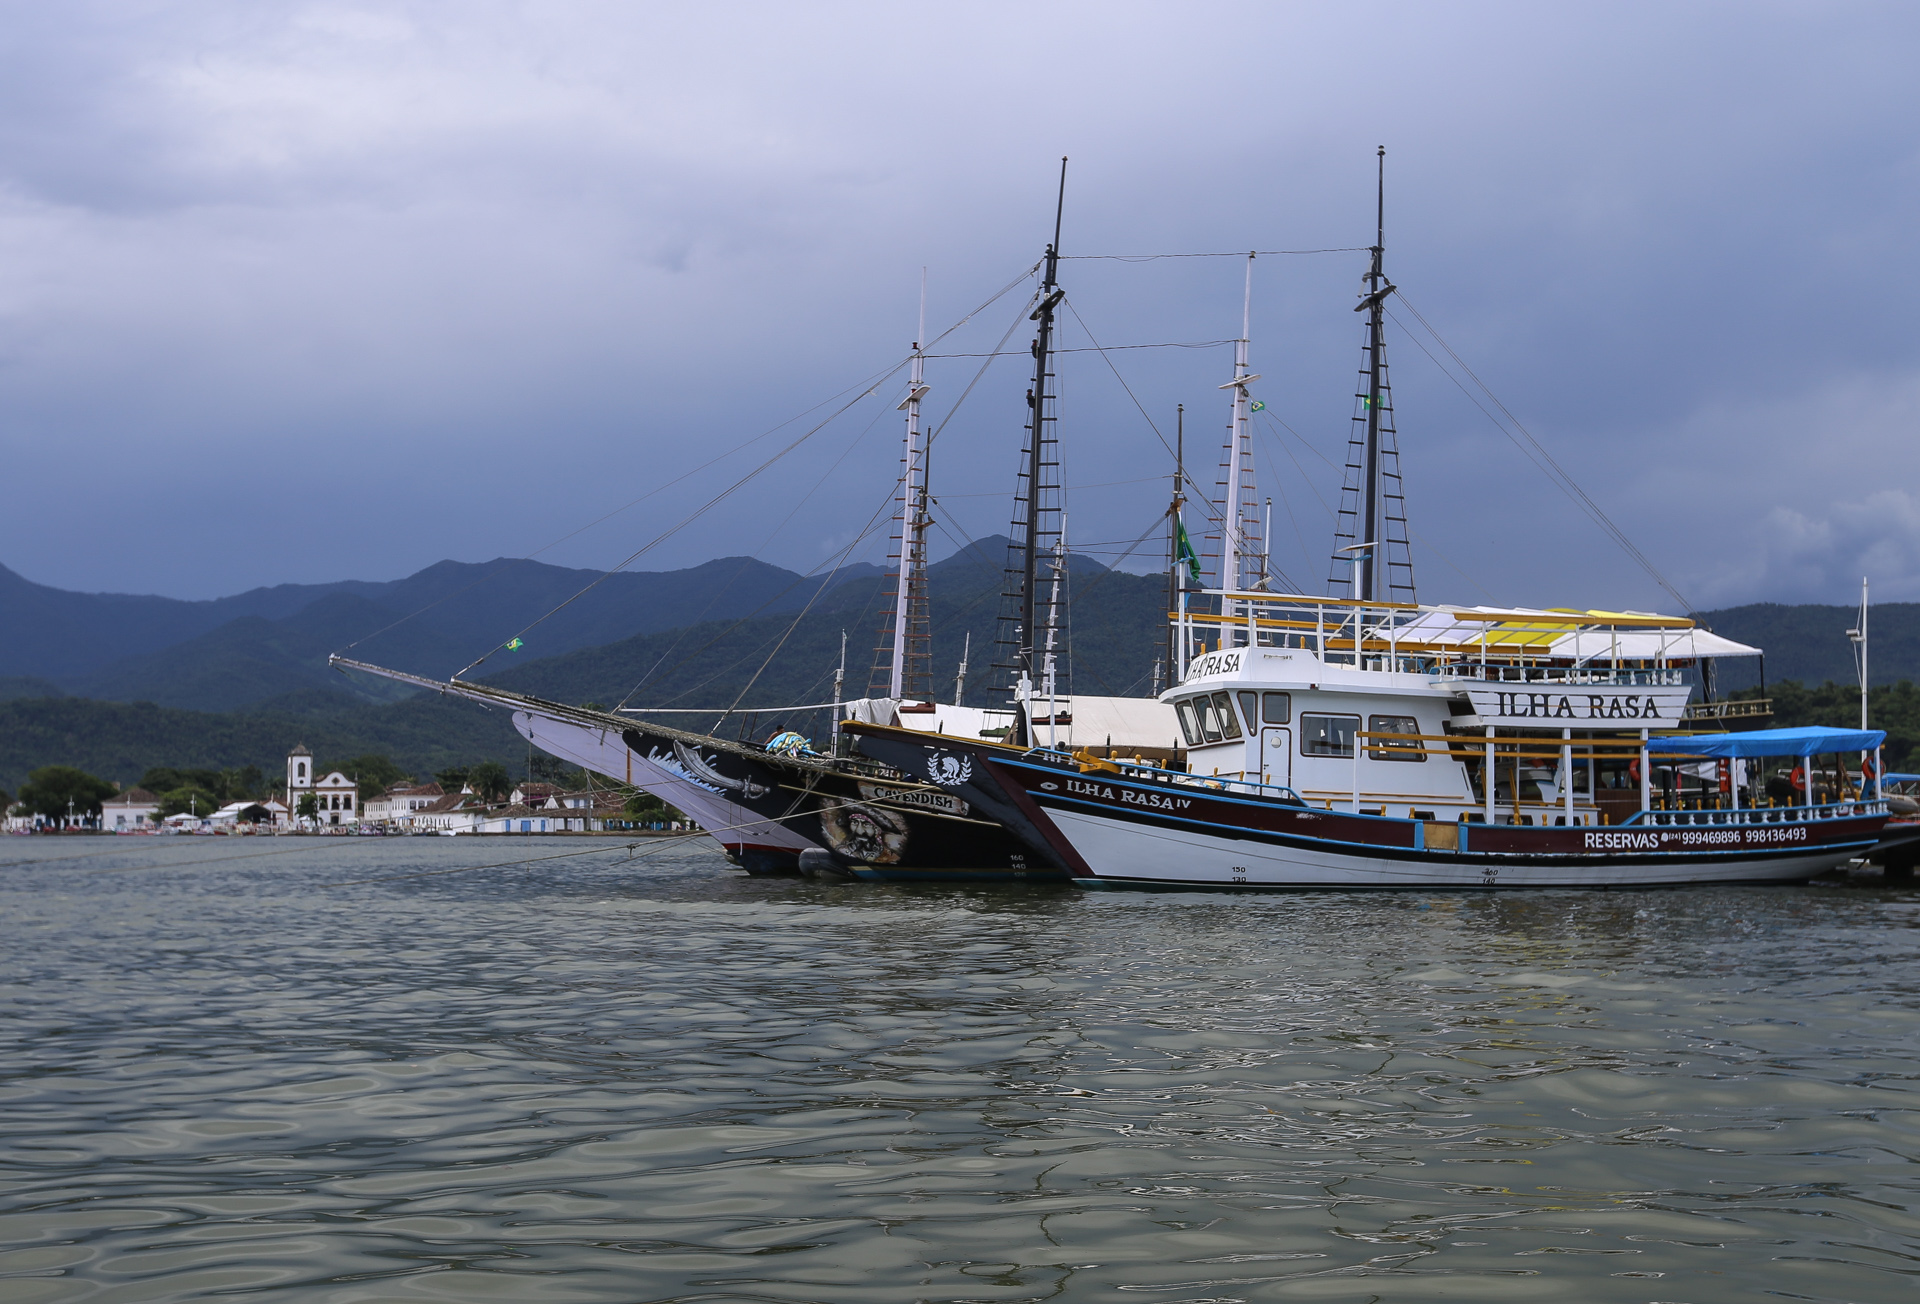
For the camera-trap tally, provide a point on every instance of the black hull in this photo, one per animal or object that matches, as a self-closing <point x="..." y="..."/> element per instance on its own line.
<point x="872" y="822"/>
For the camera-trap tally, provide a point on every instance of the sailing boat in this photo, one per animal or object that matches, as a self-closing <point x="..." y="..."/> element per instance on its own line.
<point x="1364" y="741"/>
<point x="859" y="816"/>
<point x="782" y="807"/>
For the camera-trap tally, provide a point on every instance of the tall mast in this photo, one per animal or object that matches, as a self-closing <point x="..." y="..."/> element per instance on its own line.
<point x="1233" y="523"/>
<point x="1376" y="562"/>
<point x="909" y="662"/>
<point x="1373" y="544"/>
<point x="1037" y="417"/>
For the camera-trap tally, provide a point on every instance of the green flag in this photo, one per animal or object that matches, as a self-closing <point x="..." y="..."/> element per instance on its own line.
<point x="1183" y="550"/>
<point x="513" y="644"/>
<point x="1258" y="406"/>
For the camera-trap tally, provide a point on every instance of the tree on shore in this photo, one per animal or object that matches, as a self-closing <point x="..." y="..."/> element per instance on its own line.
<point x="54" y="791"/>
<point x="374" y="772"/>
<point x="189" y="799"/>
<point x="490" y="780"/>
<point x="239" y="783"/>
<point x="646" y="808"/>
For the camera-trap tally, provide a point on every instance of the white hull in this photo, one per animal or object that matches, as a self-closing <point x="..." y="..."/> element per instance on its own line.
<point x="1124" y="852"/>
<point x="603" y="751"/>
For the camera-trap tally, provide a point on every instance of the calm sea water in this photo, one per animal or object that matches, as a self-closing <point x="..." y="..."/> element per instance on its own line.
<point x="358" y="1070"/>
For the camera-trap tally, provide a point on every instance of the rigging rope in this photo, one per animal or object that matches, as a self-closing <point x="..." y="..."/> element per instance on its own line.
<point x="1237" y="253"/>
<point x="1213" y="516"/>
<point x="1536" y="452"/>
<point x="741" y="483"/>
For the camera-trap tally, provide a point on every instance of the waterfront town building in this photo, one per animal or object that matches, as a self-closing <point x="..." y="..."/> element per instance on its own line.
<point x="125" y="812"/>
<point x="338" y="796"/>
<point x="398" y="806"/>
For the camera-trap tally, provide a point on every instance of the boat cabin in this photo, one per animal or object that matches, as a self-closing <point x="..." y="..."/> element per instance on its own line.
<point x="1475" y="714"/>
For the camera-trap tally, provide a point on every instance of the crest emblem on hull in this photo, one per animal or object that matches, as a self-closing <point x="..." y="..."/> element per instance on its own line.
<point x="949" y="771"/>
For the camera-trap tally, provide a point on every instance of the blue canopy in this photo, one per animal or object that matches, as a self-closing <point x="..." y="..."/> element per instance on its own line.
<point x="1812" y="740"/>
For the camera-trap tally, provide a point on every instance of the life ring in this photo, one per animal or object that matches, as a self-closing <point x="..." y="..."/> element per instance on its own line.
<point x="1799" y="777"/>
<point x="1633" y="769"/>
<point x="1725" y="771"/>
<point x="1869" y="768"/>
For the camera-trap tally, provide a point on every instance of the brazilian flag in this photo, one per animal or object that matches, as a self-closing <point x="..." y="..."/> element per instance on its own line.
<point x="1183" y="550"/>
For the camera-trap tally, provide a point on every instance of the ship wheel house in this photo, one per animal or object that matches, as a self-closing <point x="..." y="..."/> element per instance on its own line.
<point x="1465" y="714"/>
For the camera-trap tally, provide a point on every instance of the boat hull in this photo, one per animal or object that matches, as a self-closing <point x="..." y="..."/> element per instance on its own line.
<point x="757" y="844"/>
<point x="1123" y="833"/>
<point x="1126" y="854"/>
<point x="870" y="823"/>
<point x="961" y="769"/>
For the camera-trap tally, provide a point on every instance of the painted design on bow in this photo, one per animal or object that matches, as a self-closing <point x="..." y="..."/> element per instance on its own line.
<point x="949" y="771"/>
<point x="704" y="768"/>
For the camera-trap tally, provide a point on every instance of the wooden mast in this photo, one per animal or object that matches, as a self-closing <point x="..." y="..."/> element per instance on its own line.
<point x="909" y="665"/>
<point x="1372" y="544"/>
<point x="1037" y="417"/>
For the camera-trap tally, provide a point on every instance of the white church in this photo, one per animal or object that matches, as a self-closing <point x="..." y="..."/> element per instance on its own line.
<point x="338" y="796"/>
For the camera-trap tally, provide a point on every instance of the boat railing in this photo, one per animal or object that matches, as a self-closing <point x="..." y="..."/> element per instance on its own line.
<point x="1770" y="815"/>
<point x="1497" y="672"/>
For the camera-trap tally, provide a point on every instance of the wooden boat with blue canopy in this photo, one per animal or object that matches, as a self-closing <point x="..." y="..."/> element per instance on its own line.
<point x="1334" y="742"/>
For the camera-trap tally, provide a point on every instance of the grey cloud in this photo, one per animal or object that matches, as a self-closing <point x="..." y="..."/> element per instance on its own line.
<point x="508" y="263"/>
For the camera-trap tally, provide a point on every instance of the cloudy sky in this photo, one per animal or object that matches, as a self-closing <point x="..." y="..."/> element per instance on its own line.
<point x="321" y="291"/>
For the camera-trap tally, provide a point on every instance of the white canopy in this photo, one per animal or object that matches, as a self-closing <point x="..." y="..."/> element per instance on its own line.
<point x="1577" y="635"/>
<point x="1086" y="721"/>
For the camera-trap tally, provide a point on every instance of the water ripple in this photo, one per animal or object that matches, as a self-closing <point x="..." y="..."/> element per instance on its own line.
<point x="228" y="1073"/>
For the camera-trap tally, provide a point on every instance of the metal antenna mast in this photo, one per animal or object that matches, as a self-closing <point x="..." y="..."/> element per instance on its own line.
<point x="1176" y="529"/>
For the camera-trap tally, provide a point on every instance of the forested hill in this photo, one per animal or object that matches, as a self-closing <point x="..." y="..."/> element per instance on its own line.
<point x="240" y="652"/>
<point x="757" y="660"/>
<point x="1809" y="643"/>
<point x="254" y="682"/>
<point x="1116" y="631"/>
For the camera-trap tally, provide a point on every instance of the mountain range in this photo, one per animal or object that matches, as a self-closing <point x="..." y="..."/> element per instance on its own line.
<point x="238" y="652"/>
<point x="116" y="682"/>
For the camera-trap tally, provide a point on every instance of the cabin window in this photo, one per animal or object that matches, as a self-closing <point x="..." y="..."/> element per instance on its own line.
<point x="1328" y="735"/>
<point x="1277" y="707"/>
<point x="1395" y="749"/>
<point x="1209" y="726"/>
<point x="1250" y="707"/>
<point x="1229" y="722"/>
<point x="1188" y="724"/>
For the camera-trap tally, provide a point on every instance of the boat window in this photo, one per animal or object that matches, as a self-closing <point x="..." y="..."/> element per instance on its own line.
<point x="1229" y="722"/>
<point x="1327" y="735"/>
<point x="1209" y="726"/>
<point x="1278" y="707"/>
<point x="1184" y="709"/>
<point x="1250" y="707"/>
<point x="1395" y="749"/>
